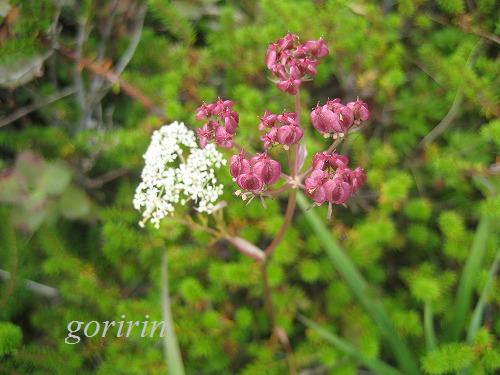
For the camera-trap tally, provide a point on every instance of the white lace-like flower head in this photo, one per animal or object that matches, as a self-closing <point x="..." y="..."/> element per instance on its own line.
<point x="168" y="178"/>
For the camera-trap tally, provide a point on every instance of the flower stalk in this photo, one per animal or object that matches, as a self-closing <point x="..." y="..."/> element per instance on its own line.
<point x="328" y="180"/>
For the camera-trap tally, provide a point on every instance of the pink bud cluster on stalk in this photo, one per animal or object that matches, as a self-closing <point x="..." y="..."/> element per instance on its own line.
<point x="281" y="129"/>
<point x="335" y="118"/>
<point x="292" y="62"/>
<point x="254" y="174"/>
<point x="329" y="179"/>
<point x="221" y="125"/>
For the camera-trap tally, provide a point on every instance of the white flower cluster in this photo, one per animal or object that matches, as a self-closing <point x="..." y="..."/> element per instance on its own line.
<point x="168" y="178"/>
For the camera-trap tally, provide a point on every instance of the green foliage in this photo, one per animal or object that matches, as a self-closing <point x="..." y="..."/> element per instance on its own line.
<point x="448" y="358"/>
<point x="418" y="210"/>
<point x="27" y="19"/>
<point x="453" y="7"/>
<point x="68" y="222"/>
<point x="10" y="338"/>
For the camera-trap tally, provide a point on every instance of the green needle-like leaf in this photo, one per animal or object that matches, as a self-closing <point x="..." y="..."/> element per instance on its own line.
<point x="430" y="335"/>
<point x="172" y="351"/>
<point x="360" y="290"/>
<point x="377" y="366"/>
<point x="469" y="279"/>
<point x="477" y="315"/>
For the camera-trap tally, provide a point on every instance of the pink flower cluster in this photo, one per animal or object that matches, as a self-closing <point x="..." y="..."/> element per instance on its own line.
<point x="221" y="125"/>
<point x="335" y="117"/>
<point x="291" y="61"/>
<point x="281" y="129"/>
<point x="331" y="180"/>
<point x="256" y="174"/>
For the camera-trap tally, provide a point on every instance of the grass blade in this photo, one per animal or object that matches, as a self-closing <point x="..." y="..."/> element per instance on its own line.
<point x="172" y="351"/>
<point x="430" y="335"/>
<point x="477" y="315"/>
<point x="377" y="366"/>
<point x="469" y="279"/>
<point x="359" y="288"/>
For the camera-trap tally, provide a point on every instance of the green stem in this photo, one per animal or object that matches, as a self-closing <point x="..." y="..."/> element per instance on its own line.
<point x="430" y="335"/>
<point x="377" y="366"/>
<point x="172" y="352"/>
<point x="469" y="279"/>
<point x="477" y="315"/>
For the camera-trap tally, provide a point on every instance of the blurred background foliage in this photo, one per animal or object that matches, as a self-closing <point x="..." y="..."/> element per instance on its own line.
<point x="84" y="83"/>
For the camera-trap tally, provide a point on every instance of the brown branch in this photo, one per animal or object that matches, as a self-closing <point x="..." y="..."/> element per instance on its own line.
<point x="21" y="112"/>
<point x="445" y="123"/>
<point x="455" y="108"/>
<point x="97" y="182"/>
<point x="466" y="27"/>
<point x="33" y="286"/>
<point x="113" y="78"/>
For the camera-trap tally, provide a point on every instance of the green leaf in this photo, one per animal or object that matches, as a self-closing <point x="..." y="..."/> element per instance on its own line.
<point x="469" y="279"/>
<point x="74" y="203"/>
<point x="430" y="335"/>
<point x="477" y="315"/>
<point x="172" y="351"/>
<point x="359" y="288"/>
<point x="373" y="364"/>
<point x="30" y="165"/>
<point x="12" y="188"/>
<point x="55" y="178"/>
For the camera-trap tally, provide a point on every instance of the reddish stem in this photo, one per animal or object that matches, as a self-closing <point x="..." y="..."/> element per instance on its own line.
<point x="292" y="196"/>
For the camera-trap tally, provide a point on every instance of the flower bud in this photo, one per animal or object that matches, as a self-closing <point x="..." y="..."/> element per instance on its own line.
<point x="317" y="48"/>
<point x="324" y="160"/>
<point x="290" y="86"/>
<point x="357" y="178"/>
<point x="227" y="103"/>
<point x="270" y="138"/>
<point x="204" y="134"/>
<point x="268" y="170"/>
<point x="231" y="122"/>
<point x="310" y="68"/>
<point x="320" y="160"/>
<point x="338" y="161"/>
<point x="346" y="117"/>
<point x="325" y="121"/>
<point x="289" y="134"/>
<point x="223" y="138"/>
<point x="267" y="120"/>
<point x="271" y="55"/>
<point x="289" y="118"/>
<point x="287" y="41"/>
<point x="295" y="72"/>
<point x="218" y="108"/>
<point x="238" y="165"/>
<point x="250" y="182"/>
<point x="314" y="186"/>
<point x="360" y="110"/>
<point x="202" y="112"/>
<point x="337" y="191"/>
<point x="318" y="195"/>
